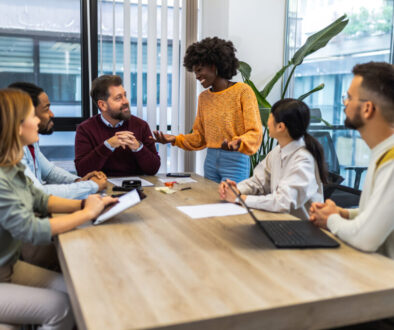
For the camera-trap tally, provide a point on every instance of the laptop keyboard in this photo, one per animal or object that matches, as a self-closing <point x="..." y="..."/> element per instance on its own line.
<point x="296" y="234"/>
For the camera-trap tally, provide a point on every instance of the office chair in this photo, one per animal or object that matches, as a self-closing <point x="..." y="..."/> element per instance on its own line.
<point x="343" y="196"/>
<point x="330" y="154"/>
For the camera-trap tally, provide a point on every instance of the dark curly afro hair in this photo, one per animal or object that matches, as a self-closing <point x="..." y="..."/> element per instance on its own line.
<point x="213" y="51"/>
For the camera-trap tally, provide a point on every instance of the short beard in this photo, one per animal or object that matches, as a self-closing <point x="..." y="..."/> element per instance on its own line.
<point x="354" y="123"/>
<point x="120" y="115"/>
<point x="45" y="130"/>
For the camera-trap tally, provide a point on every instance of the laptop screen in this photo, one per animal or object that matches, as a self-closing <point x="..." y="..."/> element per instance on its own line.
<point x="243" y="203"/>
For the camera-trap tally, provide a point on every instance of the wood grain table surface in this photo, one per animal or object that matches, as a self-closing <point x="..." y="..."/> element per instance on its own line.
<point x="154" y="267"/>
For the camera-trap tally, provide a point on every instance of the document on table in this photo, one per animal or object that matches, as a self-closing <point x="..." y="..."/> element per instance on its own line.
<point x="212" y="210"/>
<point x="126" y="201"/>
<point x="118" y="181"/>
<point x="177" y="180"/>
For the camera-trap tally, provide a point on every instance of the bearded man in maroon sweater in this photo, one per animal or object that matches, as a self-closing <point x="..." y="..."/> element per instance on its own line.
<point x="114" y="141"/>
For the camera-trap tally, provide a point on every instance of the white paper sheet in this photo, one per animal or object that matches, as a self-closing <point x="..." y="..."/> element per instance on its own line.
<point x="212" y="210"/>
<point x="125" y="201"/>
<point x="118" y="181"/>
<point x="177" y="180"/>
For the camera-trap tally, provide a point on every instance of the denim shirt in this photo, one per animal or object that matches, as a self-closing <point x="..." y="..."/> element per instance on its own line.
<point x="19" y="203"/>
<point x="54" y="180"/>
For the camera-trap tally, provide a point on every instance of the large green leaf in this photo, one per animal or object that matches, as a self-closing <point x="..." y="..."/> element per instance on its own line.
<point x="267" y="89"/>
<point x="260" y="99"/>
<point x="264" y="114"/>
<point x="319" y="39"/>
<point x="317" y="88"/>
<point x="245" y="70"/>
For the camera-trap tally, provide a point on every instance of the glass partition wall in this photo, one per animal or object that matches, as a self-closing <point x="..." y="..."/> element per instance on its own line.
<point x="367" y="37"/>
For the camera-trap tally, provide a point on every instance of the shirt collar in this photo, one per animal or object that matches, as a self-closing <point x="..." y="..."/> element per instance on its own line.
<point x="12" y="171"/>
<point x="291" y="147"/>
<point x="107" y="123"/>
<point x="382" y="147"/>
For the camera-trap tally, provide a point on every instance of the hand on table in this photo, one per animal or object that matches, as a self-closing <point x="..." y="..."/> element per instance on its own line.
<point x="226" y="193"/>
<point x="319" y="212"/>
<point x="101" y="182"/>
<point x="97" y="174"/>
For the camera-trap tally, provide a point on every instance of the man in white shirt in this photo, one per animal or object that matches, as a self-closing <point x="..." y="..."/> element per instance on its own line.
<point x="370" y="110"/>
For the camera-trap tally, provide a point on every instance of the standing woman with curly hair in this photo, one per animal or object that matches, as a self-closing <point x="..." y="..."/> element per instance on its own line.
<point x="228" y="120"/>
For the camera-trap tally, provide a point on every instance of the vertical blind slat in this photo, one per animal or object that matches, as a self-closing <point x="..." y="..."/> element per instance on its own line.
<point x="101" y="37"/>
<point x="113" y="39"/>
<point x="175" y="85"/>
<point x="126" y="47"/>
<point x="163" y="83"/>
<point x="152" y="64"/>
<point x="139" y="61"/>
<point x="182" y="110"/>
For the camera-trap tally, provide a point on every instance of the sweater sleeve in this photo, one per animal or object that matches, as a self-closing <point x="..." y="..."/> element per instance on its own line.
<point x="148" y="158"/>
<point x="251" y="139"/>
<point x="89" y="157"/>
<point x="196" y="139"/>
<point x="370" y="228"/>
<point x="21" y="222"/>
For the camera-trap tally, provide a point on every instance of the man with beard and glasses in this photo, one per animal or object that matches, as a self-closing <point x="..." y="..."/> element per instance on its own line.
<point x="370" y="110"/>
<point x="114" y="141"/>
<point x="48" y="177"/>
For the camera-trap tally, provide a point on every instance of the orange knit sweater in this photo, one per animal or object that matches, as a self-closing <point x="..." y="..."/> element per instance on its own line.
<point x="229" y="114"/>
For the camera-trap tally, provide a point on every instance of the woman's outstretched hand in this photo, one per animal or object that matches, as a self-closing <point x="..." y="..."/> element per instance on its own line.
<point x="160" y="137"/>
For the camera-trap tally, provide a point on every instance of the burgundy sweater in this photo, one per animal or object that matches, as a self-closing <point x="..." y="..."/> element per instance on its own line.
<point x="91" y="154"/>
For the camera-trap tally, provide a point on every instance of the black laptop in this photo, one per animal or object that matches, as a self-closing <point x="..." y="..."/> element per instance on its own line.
<point x="292" y="234"/>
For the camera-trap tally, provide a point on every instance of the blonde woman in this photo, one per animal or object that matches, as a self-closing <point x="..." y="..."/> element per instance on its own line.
<point x="29" y="294"/>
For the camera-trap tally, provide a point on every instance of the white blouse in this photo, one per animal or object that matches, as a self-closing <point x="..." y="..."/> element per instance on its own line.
<point x="287" y="180"/>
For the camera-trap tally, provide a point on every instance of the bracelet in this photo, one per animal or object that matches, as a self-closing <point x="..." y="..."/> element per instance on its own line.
<point x="83" y="204"/>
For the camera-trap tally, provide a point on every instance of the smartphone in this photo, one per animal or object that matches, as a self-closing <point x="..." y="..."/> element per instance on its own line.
<point x="178" y="175"/>
<point x="131" y="184"/>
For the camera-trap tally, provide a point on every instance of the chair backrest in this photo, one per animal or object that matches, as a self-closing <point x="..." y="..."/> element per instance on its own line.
<point x="330" y="154"/>
<point x="315" y="116"/>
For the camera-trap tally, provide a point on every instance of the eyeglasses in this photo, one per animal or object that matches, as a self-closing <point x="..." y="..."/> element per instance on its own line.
<point x="346" y="99"/>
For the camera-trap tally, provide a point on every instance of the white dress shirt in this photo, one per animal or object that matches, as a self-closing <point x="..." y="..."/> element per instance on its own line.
<point x="287" y="180"/>
<point x="371" y="226"/>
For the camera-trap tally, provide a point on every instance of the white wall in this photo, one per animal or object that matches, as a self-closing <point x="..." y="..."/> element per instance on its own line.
<point x="257" y="29"/>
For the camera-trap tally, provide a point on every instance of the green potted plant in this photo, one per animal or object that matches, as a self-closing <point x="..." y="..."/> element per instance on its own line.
<point x="314" y="42"/>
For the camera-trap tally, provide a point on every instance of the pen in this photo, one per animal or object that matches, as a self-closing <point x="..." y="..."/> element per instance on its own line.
<point x="186" y="188"/>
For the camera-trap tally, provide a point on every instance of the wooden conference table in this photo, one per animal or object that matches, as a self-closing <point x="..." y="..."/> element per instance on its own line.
<point x="154" y="267"/>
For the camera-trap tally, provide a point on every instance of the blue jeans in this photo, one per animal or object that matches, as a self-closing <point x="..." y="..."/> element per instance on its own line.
<point x="221" y="164"/>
